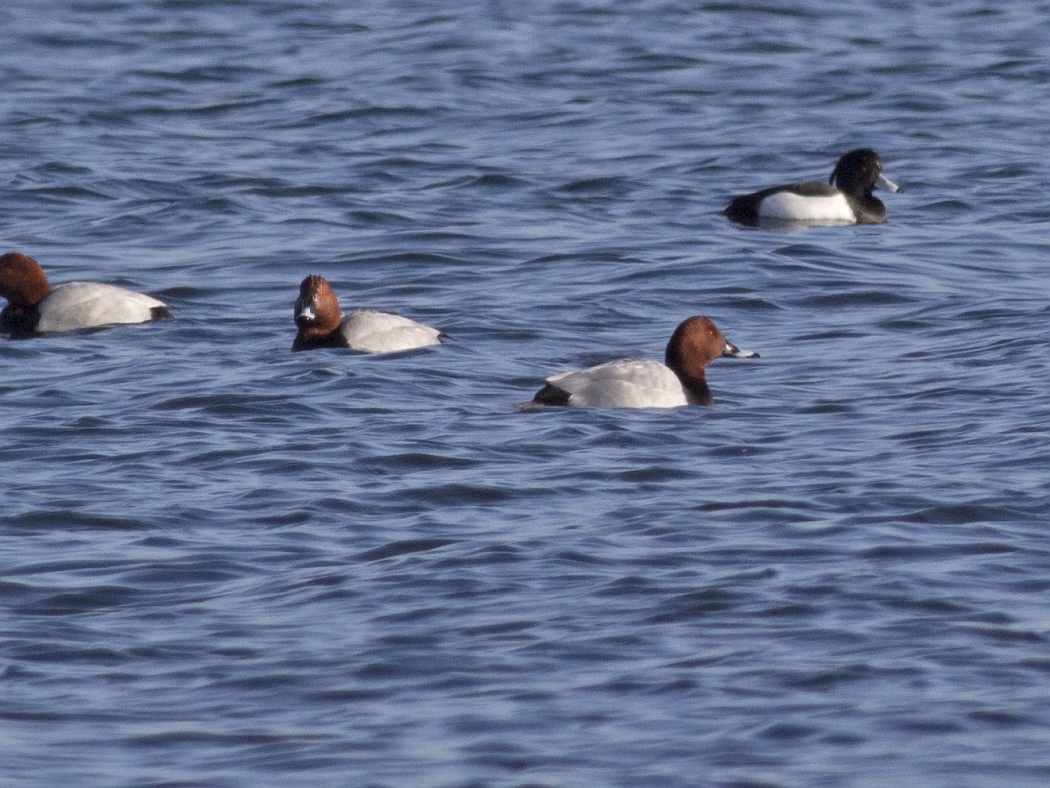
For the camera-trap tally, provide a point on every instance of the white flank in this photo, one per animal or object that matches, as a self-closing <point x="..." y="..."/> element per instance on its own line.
<point x="788" y="206"/>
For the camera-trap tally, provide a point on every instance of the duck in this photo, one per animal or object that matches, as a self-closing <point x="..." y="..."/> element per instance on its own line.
<point x="34" y="307"/>
<point x="322" y="325"/>
<point x="644" y="383"/>
<point x="845" y="199"/>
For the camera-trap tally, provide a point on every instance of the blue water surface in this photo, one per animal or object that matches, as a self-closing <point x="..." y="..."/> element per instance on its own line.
<point x="226" y="564"/>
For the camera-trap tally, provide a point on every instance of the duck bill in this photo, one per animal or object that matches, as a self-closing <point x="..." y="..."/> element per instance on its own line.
<point x="735" y="352"/>
<point x="885" y="183"/>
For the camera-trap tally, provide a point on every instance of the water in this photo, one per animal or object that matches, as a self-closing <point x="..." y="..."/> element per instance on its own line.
<point x="229" y="565"/>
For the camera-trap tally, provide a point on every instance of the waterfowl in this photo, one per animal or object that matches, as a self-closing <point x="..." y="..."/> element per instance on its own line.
<point x="321" y="324"/>
<point x="643" y="383"/>
<point x="34" y="307"/>
<point x="846" y="198"/>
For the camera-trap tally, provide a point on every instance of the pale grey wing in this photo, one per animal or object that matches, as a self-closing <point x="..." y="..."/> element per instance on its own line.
<point x="625" y="383"/>
<point x="76" y="305"/>
<point x="382" y="332"/>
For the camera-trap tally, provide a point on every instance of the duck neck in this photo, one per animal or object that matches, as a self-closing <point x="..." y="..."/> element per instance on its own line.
<point x="18" y="320"/>
<point x="308" y="340"/>
<point x="697" y="390"/>
<point x="689" y="371"/>
<point x="869" y="209"/>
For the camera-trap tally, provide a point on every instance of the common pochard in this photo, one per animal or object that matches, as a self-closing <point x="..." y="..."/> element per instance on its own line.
<point x="855" y="176"/>
<point x="642" y="383"/>
<point x="322" y="325"/>
<point x="34" y="307"/>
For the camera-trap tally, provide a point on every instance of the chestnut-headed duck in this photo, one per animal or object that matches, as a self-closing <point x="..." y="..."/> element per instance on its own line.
<point x="322" y="325"/>
<point x="855" y="175"/>
<point x="642" y="383"/>
<point x="34" y="307"/>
